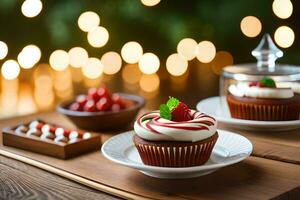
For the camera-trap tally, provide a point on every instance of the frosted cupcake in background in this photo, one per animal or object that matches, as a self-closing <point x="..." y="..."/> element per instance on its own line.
<point x="175" y="136"/>
<point x="263" y="101"/>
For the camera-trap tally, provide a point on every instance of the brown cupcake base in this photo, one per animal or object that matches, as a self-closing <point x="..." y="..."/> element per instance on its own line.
<point x="175" y="154"/>
<point x="264" y="109"/>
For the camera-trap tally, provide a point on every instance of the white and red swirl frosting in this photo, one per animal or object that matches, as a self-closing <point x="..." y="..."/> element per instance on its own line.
<point x="151" y="126"/>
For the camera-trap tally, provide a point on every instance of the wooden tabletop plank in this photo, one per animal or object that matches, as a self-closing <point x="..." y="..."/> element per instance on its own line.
<point x="22" y="181"/>
<point x="255" y="178"/>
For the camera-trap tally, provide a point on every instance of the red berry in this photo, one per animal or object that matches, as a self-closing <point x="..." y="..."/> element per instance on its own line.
<point x="259" y="84"/>
<point x="103" y="92"/>
<point x="81" y="99"/>
<point x="115" y="107"/>
<point x="252" y="84"/>
<point x="103" y="104"/>
<point x="92" y="94"/>
<point x="75" y="107"/>
<point x="181" y="113"/>
<point x="117" y="99"/>
<point x="90" y="106"/>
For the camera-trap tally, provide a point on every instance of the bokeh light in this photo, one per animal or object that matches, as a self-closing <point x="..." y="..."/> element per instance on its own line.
<point x="149" y="63"/>
<point x="250" y="26"/>
<point x="131" y="74"/>
<point x="98" y="37"/>
<point x="29" y="56"/>
<point x="149" y="82"/>
<point x="93" y="68"/>
<point x="222" y="59"/>
<point x="131" y="52"/>
<point x="77" y="57"/>
<point x="10" y="69"/>
<point x="112" y="62"/>
<point x="206" y="51"/>
<point x="150" y="2"/>
<point x="176" y="64"/>
<point x="284" y="36"/>
<point x="187" y="48"/>
<point x="3" y="50"/>
<point x="282" y="8"/>
<point x="88" y="20"/>
<point x="31" y="8"/>
<point x="59" y="60"/>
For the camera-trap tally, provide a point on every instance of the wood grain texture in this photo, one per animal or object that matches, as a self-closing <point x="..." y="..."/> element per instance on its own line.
<point x="21" y="181"/>
<point x="255" y="178"/>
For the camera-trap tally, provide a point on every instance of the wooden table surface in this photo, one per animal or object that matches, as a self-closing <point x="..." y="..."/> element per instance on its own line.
<point x="270" y="174"/>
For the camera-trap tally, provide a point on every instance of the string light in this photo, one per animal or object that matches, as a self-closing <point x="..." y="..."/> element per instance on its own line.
<point x="10" y="69"/>
<point x="176" y="65"/>
<point x="59" y="60"/>
<point x="3" y="50"/>
<point x="111" y="62"/>
<point x="187" y="48"/>
<point x="149" y="83"/>
<point x="77" y="56"/>
<point x="206" y="51"/>
<point x="284" y="36"/>
<point x="149" y="63"/>
<point x="98" y="37"/>
<point x="89" y="20"/>
<point x="131" y="52"/>
<point x="250" y="26"/>
<point x="131" y="74"/>
<point x="150" y="2"/>
<point x="29" y="56"/>
<point x="93" y="68"/>
<point x="282" y="8"/>
<point x="31" y="8"/>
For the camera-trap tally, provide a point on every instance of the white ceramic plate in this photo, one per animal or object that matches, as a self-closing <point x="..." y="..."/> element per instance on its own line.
<point x="229" y="149"/>
<point x="217" y="108"/>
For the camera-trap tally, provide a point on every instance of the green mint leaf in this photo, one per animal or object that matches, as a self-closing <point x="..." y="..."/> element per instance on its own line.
<point x="268" y="82"/>
<point x="172" y="103"/>
<point x="164" y="112"/>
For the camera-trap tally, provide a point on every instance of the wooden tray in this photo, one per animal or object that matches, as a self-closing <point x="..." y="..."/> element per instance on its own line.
<point x="49" y="147"/>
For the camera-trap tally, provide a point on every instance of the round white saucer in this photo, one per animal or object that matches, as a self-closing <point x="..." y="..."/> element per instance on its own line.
<point x="217" y="108"/>
<point x="229" y="149"/>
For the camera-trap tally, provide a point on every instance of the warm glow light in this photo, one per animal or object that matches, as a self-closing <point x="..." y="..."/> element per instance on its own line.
<point x="10" y="69"/>
<point x="187" y="48"/>
<point x="3" y="50"/>
<point x="149" y="63"/>
<point x="206" y="51"/>
<point x="284" y="36"/>
<point x="98" y="37"/>
<point x="31" y="8"/>
<point x="93" y="68"/>
<point x="89" y="20"/>
<point x="282" y="8"/>
<point x="222" y="59"/>
<point x="111" y="62"/>
<point x="77" y="57"/>
<point x="29" y="56"/>
<point x="59" y="60"/>
<point x="250" y="26"/>
<point x="131" y="74"/>
<point x="150" y="2"/>
<point x="149" y="83"/>
<point x="132" y="52"/>
<point x="176" y="64"/>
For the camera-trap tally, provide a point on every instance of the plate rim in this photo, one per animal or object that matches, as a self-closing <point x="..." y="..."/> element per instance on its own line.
<point x="233" y="121"/>
<point x="142" y="167"/>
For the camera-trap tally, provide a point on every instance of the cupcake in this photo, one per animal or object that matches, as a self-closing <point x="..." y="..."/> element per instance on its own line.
<point x="263" y="101"/>
<point x="175" y="136"/>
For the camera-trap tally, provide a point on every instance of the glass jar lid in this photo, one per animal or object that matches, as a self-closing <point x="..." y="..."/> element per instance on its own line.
<point x="266" y="54"/>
